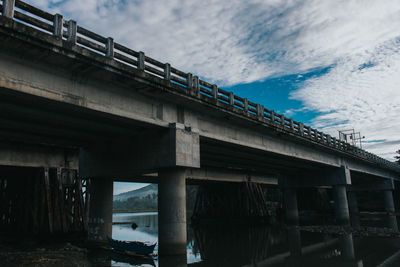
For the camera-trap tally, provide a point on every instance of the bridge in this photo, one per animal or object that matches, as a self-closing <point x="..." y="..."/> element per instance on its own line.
<point x="73" y="99"/>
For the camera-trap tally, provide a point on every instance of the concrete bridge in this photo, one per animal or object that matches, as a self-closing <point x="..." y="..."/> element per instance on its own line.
<point x="71" y="98"/>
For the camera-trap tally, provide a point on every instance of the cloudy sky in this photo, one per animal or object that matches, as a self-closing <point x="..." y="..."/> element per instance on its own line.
<point x="332" y="64"/>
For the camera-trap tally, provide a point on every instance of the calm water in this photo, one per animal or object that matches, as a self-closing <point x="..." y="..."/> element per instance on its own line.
<point x="230" y="245"/>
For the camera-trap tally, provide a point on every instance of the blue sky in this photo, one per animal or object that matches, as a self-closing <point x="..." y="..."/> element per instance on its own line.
<point x="333" y="64"/>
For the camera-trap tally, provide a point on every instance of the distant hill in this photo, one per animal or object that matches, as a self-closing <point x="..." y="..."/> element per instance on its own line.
<point x="139" y="193"/>
<point x="145" y="198"/>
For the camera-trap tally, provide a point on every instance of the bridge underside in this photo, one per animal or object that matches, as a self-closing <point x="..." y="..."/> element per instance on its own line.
<point x="62" y="106"/>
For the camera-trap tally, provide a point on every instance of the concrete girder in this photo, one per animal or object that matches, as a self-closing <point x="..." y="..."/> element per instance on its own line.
<point x="176" y="146"/>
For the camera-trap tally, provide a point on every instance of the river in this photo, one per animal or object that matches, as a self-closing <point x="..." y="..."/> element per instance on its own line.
<point x="220" y="244"/>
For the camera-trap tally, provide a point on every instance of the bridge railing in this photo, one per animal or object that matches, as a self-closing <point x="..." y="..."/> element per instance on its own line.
<point x="73" y="34"/>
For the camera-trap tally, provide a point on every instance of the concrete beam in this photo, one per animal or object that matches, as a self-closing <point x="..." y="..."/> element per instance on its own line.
<point x="223" y="175"/>
<point x="177" y="146"/>
<point x="25" y="155"/>
<point x="330" y="177"/>
<point x="378" y="185"/>
<point x="207" y="174"/>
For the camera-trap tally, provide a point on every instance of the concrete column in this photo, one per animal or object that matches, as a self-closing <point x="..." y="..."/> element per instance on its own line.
<point x="347" y="246"/>
<point x="292" y="212"/>
<point x="100" y="209"/>
<point x="389" y="207"/>
<point x="172" y="211"/>
<point x="341" y="205"/>
<point x="294" y="239"/>
<point x="353" y="208"/>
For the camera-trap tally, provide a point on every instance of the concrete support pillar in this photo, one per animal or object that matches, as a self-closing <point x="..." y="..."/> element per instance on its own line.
<point x="341" y="205"/>
<point x="389" y="207"/>
<point x="292" y="212"/>
<point x="100" y="209"/>
<point x="353" y="208"/>
<point x="347" y="246"/>
<point x="172" y="211"/>
<point x="294" y="239"/>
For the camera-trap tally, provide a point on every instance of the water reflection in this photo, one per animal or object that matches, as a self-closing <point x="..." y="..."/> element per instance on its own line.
<point x="239" y="245"/>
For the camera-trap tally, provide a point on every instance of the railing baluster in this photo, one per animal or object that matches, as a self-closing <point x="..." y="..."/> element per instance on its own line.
<point x="246" y="105"/>
<point x="140" y="65"/>
<point x="8" y="8"/>
<point x="272" y="116"/>
<point x="260" y="112"/>
<point x="58" y="25"/>
<point x="71" y="32"/>
<point x="215" y="91"/>
<point x="301" y="128"/>
<point x="196" y="86"/>
<point x="291" y="124"/>
<point x="231" y="99"/>
<point x="167" y="71"/>
<point x="110" y="47"/>
<point x="189" y="80"/>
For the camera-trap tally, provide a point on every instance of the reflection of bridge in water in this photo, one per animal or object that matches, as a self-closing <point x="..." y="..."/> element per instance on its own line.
<point x="222" y="245"/>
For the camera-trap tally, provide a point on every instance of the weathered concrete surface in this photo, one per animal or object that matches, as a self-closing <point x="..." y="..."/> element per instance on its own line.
<point x="292" y="212"/>
<point x="389" y="207"/>
<point x="100" y="209"/>
<point x="328" y="177"/>
<point x="341" y="205"/>
<point x="172" y="235"/>
<point x="175" y="146"/>
<point x="12" y="154"/>
<point x="36" y="64"/>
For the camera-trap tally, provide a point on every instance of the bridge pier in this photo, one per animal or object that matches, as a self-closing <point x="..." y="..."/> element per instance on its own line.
<point x="353" y="209"/>
<point x="391" y="220"/>
<point x="341" y="205"/>
<point x="100" y="209"/>
<point x="291" y="209"/>
<point x="172" y="211"/>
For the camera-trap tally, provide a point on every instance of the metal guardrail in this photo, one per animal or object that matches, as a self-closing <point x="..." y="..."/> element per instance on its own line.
<point x="54" y="24"/>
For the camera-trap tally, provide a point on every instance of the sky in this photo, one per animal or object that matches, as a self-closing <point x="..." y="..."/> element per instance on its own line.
<point x="331" y="64"/>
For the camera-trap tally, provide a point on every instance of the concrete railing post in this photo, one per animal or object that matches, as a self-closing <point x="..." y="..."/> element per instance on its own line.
<point x="140" y="62"/>
<point x="58" y="25"/>
<point x="246" y="105"/>
<point x="196" y="86"/>
<point x="71" y="32"/>
<point x="231" y="99"/>
<point x="291" y="124"/>
<point x="167" y="71"/>
<point x="260" y="112"/>
<point x="8" y="8"/>
<point x="301" y="128"/>
<point x="189" y="80"/>
<point x="272" y="116"/>
<point x="215" y="92"/>
<point x="110" y="47"/>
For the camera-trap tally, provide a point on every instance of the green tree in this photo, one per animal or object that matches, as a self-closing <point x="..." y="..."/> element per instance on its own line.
<point x="397" y="156"/>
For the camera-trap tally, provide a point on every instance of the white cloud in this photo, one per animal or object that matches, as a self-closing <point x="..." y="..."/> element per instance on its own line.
<point x="364" y="97"/>
<point x="235" y="41"/>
